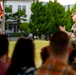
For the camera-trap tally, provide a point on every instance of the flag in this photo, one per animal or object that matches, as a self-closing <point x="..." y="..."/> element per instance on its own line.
<point x="1" y="12"/>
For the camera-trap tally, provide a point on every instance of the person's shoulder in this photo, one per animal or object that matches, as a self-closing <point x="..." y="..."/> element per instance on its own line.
<point x="43" y="68"/>
<point x="3" y="68"/>
<point x="3" y="65"/>
<point x="70" y="71"/>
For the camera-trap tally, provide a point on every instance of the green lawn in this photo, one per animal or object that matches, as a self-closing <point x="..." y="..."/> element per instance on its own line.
<point x="38" y="45"/>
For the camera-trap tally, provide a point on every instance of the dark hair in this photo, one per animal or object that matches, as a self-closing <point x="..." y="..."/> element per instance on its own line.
<point x="3" y="45"/>
<point x="23" y="56"/>
<point x="44" y="53"/>
<point x="59" y="42"/>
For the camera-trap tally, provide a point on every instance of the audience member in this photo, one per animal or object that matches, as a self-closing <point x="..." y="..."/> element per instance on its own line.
<point x="22" y="62"/>
<point x="3" y="54"/>
<point x="57" y="64"/>
<point x="45" y="53"/>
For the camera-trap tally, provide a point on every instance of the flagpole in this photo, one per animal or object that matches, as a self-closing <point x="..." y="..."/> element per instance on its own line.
<point x="3" y="26"/>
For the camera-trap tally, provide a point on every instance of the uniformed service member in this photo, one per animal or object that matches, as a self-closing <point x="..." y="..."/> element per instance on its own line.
<point x="73" y="29"/>
<point x="72" y="34"/>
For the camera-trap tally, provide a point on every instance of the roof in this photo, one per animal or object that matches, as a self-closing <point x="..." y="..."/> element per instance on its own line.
<point x="15" y="0"/>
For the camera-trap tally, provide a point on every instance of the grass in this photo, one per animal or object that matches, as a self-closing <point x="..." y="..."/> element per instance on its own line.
<point x="38" y="45"/>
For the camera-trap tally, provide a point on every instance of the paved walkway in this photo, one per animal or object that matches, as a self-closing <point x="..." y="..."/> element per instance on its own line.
<point x="13" y="38"/>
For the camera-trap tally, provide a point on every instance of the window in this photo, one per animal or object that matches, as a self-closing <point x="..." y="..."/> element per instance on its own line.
<point x="19" y="7"/>
<point x="10" y="6"/>
<point x="24" y="8"/>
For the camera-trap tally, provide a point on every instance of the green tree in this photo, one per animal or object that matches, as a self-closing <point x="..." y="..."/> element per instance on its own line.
<point x="8" y="9"/>
<point x="46" y="18"/>
<point x="36" y="17"/>
<point x="8" y="15"/>
<point x="24" y="27"/>
<point x="68" y="20"/>
<point x="49" y="18"/>
<point x="19" y="16"/>
<point x="74" y="8"/>
<point x="58" y="12"/>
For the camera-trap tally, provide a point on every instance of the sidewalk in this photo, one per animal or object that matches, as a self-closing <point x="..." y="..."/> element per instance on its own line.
<point x="13" y="38"/>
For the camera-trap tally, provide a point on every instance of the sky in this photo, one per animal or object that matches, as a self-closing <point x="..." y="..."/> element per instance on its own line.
<point x="64" y="2"/>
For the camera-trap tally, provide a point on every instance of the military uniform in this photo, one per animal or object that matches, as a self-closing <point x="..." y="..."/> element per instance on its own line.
<point x="73" y="29"/>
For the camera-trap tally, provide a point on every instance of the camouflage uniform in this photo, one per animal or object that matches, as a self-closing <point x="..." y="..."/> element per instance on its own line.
<point x="73" y="29"/>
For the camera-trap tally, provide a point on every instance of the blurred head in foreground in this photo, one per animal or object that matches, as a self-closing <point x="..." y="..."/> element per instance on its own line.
<point x="60" y="46"/>
<point x="23" y="56"/>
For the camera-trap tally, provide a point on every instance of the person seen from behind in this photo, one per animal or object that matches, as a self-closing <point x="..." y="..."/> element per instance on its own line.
<point x="45" y="53"/>
<point x="22" y="62"/>
<point x="57" y="63"/>
<point x="4" y="43"/>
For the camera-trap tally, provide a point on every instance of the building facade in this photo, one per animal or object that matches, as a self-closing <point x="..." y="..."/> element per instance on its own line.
<point x="19" y="5"/>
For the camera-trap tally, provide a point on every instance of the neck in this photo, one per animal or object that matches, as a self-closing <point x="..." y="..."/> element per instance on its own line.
<point x="63" y="59"/>
<point x="3" y="58"/>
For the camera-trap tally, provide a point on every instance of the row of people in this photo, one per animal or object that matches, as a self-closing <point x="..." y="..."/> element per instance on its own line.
<point x="57" y="62"/>
<point x="22" y="62"/>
